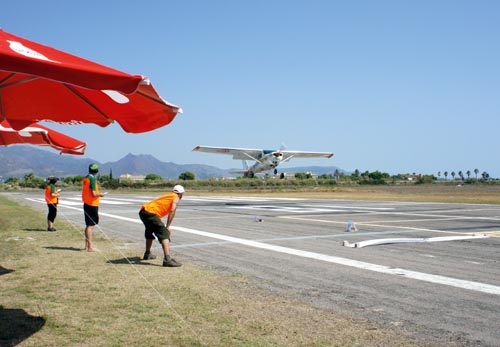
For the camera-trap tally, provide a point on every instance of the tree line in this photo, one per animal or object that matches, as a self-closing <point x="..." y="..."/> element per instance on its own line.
<point x="300" y="179"/>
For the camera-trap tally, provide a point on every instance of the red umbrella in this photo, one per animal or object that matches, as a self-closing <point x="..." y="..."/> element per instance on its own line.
<point x="40" y="83"/>
<point x="39" y="135"/>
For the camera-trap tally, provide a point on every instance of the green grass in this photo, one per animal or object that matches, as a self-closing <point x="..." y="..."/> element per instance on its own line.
<point x="53" y="294"/>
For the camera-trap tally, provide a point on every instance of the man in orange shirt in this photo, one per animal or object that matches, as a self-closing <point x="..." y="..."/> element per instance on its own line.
<point x="90" y="197"/>
<point x="151" y="214"/>
<point x="52" y="199"/>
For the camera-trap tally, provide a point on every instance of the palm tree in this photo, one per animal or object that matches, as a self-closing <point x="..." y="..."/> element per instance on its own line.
<point x="446" y="175"/>
<point x="476" y="171"/>
<point x="468" y="174"/>
<point x="453" y="174"/>
<point x="439" y="174"/>
<point x="461" y="175"/>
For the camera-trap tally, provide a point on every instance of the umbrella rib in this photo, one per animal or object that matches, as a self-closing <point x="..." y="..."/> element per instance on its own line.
<point x="159" y="100"/>
<point x="85" y="100"/>
<point x="4" y="85"/>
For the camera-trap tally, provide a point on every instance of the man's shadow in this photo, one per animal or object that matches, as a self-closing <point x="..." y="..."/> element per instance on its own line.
<point x="34" y="229"/>
<point x="16" y="326"/>
<point x="58" y="248"/>
<point x="4" y="271"/>
<point x="130" y="260"/>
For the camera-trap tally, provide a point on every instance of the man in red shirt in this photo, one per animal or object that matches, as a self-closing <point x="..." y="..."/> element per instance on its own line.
<point x="151" y="214"/>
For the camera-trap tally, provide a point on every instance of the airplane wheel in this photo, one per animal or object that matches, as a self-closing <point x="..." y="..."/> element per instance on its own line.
<point x="275" y="171"/>
<point x="282" y="175"/>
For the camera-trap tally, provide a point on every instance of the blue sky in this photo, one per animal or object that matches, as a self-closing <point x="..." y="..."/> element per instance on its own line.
<point x="395" y="86"/>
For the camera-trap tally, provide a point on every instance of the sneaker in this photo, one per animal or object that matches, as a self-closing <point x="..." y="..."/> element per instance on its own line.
<point x="148" y="256"/>
<point x="51" y="229"/>
<point x="171" y="263"/>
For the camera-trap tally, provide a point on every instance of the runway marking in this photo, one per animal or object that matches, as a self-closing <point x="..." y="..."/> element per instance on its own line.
<point x="439" y="215"/>
<point x="290" y="209"/>
<point x="473" y="262"/>
<point x="352" y="207"/>
<point x="463" y="284"/>
<point x="357" y="223"/>
<point x="495" y="233"/>
<point x="78" y="201"/>
<point x="238" y="198"/>
<point x="489" y="233"/>
<point x="109" y="200"/>
<point x="448" y="281"/>
<point x="294" y="238"/>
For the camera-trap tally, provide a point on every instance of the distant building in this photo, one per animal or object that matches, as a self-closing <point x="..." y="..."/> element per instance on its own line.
<point x="131" y="178"/>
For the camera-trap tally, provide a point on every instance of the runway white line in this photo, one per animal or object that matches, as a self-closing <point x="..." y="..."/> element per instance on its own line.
<point x="238" y="198"/>
<point x="448" y="281"/>
<point x="437" y="215"/>
<point x="369" y="225"/>
<point x="464" y="284"/>
<point x="349" y="208"/>
<point x="294" y="238"/>
<point x="78" y="201"/>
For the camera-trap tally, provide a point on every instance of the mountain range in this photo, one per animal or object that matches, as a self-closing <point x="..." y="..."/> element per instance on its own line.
<point x="17" y="161"/>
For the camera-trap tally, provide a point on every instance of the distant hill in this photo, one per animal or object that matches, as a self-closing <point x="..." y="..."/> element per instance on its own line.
<point x="144" y="164"/>
<point x="17" y="161"/>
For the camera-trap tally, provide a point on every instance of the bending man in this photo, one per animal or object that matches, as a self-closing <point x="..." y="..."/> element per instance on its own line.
<point x="151" y="214"/>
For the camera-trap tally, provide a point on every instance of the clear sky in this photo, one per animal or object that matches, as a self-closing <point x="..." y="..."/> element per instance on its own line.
<point x="396" y="86"/>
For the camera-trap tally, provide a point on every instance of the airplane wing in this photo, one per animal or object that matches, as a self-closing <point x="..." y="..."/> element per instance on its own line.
<point x="287" y="155"/>
<point x="237" y="153"/>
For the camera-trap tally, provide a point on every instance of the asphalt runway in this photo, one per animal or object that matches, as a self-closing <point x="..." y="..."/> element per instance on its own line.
<point x="447" y="290"/>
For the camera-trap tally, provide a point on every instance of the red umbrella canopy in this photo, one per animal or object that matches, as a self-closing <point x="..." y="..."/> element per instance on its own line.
<point x="41" y="83"/>
<point x="39" y="135"/>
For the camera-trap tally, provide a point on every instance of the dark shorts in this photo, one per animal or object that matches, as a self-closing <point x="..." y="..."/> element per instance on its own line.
<point x="91" y="215"/>
<point x="51" y="216"/>
<point x="154" y="226"/>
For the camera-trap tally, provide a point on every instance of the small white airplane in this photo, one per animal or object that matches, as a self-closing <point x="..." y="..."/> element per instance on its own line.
<point x="265" y="159"/>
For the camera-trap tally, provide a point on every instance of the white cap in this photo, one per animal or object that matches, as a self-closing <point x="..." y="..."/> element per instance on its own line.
<point x="178" y="189"/>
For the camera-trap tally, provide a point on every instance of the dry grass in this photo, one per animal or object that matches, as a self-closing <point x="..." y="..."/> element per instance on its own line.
<point x="57" y="295"/>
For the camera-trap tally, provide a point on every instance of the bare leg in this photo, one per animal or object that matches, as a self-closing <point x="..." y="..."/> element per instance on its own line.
<point x="88" y="239"/>
<point x="167" y="260"/>
<point x="165" y="244"/>
<point x="149" y="243"/>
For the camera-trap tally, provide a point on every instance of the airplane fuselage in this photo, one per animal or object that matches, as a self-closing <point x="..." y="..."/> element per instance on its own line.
<point x="268" y="160"/>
